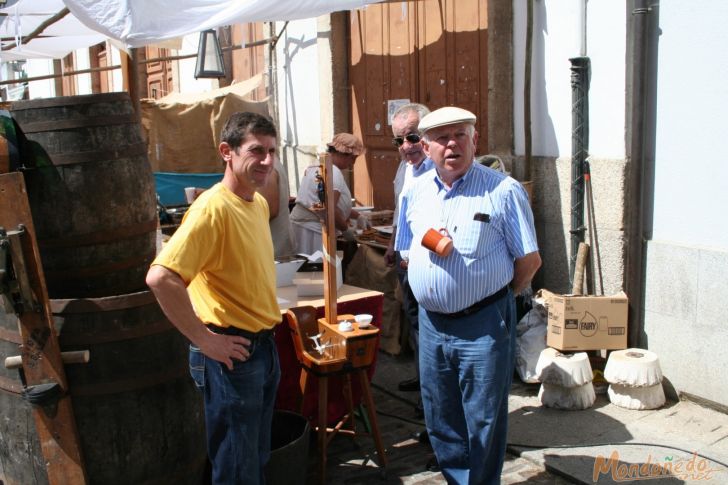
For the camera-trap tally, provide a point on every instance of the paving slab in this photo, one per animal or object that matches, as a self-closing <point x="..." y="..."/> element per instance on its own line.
<point x="680" y="443"/>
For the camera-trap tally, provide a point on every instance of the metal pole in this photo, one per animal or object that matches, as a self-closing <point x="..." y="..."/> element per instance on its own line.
<point x="579" y="152"/>
<point x="643" y="34"/>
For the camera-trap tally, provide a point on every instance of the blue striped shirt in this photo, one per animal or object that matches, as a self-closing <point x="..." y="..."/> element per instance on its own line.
<point x="490" y="222"/>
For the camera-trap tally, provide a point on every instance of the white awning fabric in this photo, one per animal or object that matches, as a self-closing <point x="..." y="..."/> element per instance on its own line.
<point x="23" y="17"/>
<point x="136" y="23"/>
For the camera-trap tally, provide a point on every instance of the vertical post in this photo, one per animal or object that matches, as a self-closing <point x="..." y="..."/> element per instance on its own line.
<point x="130" y="69"/>
<point x="329" y="243"/>
<point x="579" y="151"/>
<point x="642" y="38"/>
<point x="527" y="136"/>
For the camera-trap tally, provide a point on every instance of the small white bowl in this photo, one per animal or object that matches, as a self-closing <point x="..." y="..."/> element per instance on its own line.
<point x="364" y="320"/>
<point x="346" y="326"/>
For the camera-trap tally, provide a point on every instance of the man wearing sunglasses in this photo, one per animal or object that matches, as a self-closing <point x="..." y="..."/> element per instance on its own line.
<point x="413" y="164"/>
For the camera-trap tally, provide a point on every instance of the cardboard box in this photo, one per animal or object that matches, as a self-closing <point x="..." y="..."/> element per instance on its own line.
<point x="586" y="322"/>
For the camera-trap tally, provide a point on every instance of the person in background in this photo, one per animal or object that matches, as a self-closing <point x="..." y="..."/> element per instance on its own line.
<point x="215" y="281"/>
<point x="467" y="307"/>
<point x="343" y="149"/>
<point x="413" y="164"/>
<point x="276" y="192"/>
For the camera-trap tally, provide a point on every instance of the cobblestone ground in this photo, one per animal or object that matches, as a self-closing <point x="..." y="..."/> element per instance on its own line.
<point x="355" y="462"/>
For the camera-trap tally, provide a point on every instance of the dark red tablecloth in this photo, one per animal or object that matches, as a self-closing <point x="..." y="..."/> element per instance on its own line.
<point x="289" y="391"/>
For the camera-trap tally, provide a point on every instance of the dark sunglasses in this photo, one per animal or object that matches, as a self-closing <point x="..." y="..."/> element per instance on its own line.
<point x="398" y="141"/>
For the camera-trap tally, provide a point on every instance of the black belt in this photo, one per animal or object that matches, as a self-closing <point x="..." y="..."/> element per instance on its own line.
<point x="478" y="304"/>
<point x="252" y="336"/>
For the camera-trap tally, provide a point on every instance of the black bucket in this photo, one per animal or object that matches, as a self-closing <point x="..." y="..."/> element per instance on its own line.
<point x="288" y="464"/>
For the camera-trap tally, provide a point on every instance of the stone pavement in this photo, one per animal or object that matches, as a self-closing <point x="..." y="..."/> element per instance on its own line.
<point x="355" y="462"/>
<point x="658" y="446"/>
<point x="563" y="446"/>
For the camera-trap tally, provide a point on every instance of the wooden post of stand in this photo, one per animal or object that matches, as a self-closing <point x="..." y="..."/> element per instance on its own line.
<point x="40" y="351"/>
<point x="328" y="232"/>
<point x="4" y="156"/>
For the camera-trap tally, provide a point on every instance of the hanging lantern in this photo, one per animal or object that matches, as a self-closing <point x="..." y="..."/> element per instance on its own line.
<point x="209" y="56"/>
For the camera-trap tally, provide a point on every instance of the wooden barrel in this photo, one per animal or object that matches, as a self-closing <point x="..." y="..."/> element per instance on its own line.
<point x="138" y="413"/>
<point x="91" y="192"/>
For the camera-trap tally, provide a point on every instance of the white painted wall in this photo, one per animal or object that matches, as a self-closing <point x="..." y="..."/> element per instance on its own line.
<point x="44" y="88"/>
<point x="116" y="77"/>
<point x="299" y="106"/>
<point x="556" y="38"/>
<point x="692" y="96"/>
<point x="83" y="81"/>
<point x="298" y="82"/>
<point x="687" y="259"/>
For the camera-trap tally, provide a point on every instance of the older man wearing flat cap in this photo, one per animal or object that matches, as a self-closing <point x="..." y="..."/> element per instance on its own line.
<point x="466" y="295"/>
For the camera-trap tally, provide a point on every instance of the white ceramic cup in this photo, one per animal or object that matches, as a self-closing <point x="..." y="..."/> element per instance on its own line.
<point x="190" y="194"/>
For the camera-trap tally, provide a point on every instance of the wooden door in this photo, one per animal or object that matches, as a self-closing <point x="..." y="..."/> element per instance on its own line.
<point x="250" y="61"/>
<point x="98" y="57"/>
<point x="428" y="51"/>
<point x="159" y="73"/>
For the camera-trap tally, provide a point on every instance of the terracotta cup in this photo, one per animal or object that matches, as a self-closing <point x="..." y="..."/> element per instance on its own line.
<point x="437" y="242"/>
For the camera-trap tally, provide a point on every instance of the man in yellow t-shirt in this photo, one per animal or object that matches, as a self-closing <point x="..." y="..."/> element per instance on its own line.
<point x="215" y="281"/>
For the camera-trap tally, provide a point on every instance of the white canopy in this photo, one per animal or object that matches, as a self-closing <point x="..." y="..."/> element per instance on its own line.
<point x="23" y="17"/>
<point x="135" y="23"/>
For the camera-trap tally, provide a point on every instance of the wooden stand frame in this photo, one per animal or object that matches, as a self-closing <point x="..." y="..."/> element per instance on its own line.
<point x="40" y="351"/>
<point x="341" y="353"/>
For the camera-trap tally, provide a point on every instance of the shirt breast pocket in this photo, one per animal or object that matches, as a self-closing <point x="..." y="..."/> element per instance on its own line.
<point x="479" y="238"/>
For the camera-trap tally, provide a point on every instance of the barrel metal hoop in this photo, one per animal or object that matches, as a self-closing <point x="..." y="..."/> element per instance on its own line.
<point x="100" y="237"/>
<point x="103" y="304"/>
<point x="129" y="384"/>
<point x="66" y="276"/>
<point x="94" y="156"/>
<point x="116" y="335"/>
<point x="84" y="122"/>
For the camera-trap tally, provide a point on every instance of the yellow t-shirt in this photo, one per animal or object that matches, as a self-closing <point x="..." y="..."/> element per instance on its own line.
<point x="224" y="253"/>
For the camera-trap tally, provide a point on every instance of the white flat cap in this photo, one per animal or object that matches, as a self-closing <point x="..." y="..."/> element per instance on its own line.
<point x="449" y="115"/>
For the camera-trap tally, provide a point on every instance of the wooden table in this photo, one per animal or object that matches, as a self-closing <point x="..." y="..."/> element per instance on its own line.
<point x="352" y="300"/>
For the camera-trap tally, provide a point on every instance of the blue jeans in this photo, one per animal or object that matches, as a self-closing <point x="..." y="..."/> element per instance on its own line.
<point x="238" y="411"/>
<point x="466" y="369"/>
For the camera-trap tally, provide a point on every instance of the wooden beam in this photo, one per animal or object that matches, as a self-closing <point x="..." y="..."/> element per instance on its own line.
<point x="328" y="234"/>
<point x="39" y="30"/>
<point x="125" y="66"/>
<point x="61" y="75"/>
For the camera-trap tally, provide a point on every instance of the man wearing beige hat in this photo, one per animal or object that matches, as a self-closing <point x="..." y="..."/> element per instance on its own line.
<point x="466" y="294"/>
<point x="343" y="149"/>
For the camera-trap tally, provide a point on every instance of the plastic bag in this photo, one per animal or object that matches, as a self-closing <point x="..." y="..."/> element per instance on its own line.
<point x="531" y="340"/>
